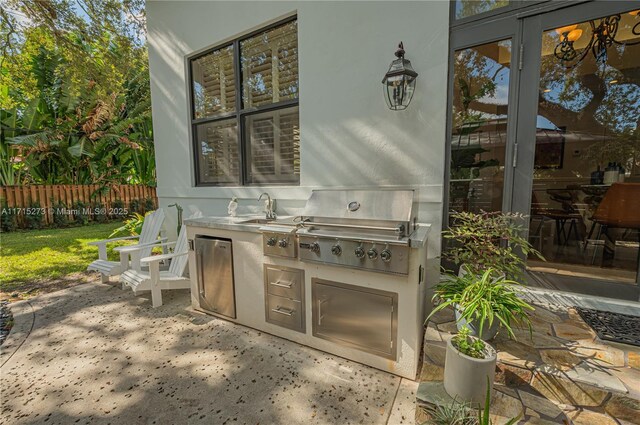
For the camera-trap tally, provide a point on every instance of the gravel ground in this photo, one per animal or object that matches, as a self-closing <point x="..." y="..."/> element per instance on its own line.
<point x="94" y="354"/>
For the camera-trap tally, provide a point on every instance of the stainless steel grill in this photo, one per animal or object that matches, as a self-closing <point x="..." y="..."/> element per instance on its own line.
<point x="364" y="229"/>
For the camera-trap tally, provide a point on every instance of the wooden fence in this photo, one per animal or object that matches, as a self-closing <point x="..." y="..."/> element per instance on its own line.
<point x="113" y="201"/>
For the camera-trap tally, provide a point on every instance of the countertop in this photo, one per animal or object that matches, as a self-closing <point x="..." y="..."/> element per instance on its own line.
<point x="254" y="223"/>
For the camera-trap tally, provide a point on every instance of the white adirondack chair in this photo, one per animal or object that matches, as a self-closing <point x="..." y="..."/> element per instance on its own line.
<point x="147" y="239"/>
<point x="155" y="280"/>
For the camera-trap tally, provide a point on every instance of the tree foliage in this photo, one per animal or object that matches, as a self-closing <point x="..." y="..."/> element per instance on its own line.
<point x="74" y="93"/>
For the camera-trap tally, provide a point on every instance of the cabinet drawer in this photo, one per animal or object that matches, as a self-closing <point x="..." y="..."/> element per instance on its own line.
<point x="285" y="312"/>
<point x="284" y="282"/>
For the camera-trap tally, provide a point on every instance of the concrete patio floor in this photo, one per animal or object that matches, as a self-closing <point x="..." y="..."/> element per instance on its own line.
<point x="96" y="354"/>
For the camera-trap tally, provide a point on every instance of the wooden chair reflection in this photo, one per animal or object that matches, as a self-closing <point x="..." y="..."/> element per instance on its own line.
<point x="619" y="209"/>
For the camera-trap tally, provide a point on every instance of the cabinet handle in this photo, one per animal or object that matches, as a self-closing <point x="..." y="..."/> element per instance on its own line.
<point x="278" y="309"/>
<point x="200" y="267"/>
<point x="287" y="285"/>
<point x="320" y="315"/>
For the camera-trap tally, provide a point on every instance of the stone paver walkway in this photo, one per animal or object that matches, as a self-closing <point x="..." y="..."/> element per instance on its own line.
<point x="96" y="354"/>
<point x="560" y="374"/>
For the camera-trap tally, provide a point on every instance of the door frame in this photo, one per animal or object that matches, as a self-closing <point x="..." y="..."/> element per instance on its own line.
<point x="524" y="24"/>
<point x="527" y="98"/>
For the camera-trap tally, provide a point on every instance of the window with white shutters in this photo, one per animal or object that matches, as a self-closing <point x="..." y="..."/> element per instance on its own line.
<point x="245" y="109"/>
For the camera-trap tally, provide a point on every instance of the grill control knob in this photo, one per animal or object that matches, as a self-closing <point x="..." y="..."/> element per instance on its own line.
<point x="314" y="247"/>
<point x="385" y="255"/>
<point x="359" y="252"/>
<point x="336" y="250"/>
<point x="272" y="241"/>
<point x="372" y="254"/>
<point x="283" y="243"/>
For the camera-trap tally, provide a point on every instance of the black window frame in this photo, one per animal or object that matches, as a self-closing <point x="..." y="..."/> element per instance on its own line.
<point x="239" y="114"/>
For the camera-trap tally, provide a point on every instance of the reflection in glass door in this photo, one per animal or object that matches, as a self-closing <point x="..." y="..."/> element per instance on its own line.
<point x="585" y="194"/>
<point x="479" y="126"/>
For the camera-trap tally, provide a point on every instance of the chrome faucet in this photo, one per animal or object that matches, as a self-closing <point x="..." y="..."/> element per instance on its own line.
<point x="270" y="213"/>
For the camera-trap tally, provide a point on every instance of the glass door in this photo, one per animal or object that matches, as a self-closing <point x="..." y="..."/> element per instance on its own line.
<point x="577" y="156"/>
<point x="482" y="93"/>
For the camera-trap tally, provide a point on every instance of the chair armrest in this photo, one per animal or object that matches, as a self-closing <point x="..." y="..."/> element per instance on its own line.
<point x="105" y="241"/>
<point x="138" y="247"/>
<point x="158" y="258"/>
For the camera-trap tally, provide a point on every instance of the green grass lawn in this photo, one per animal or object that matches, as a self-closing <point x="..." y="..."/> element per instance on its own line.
<point x="30" y="259"/>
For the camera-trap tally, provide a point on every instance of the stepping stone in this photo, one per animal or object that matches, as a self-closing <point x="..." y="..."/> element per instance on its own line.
<point x="560" y="359"/>
<point x="539" y="404"/>
<point x="605" y="355"/>
<point x="546" y="315"/>
<point x="538" y="340"/>
<point x="431" y="372"/>
<point x="633" y="360"/>
<point x="588" y="417"/>
<point x="443" y="316"/>
<point x="435" y="352"/>
<point x="432" y="334"/>
<point x="562" y="390"/>
<point x="518" y="354"/>
<point x="598" y="377"/>
<point x="512" y="375"/>
<point x="624" y="408"/>
<point x="432" y="393"/>
<point x="573" y="333"/>
<point x="505" y="407"/>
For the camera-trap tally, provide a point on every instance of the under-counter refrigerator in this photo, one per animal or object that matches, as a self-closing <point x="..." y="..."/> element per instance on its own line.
<point x="214" y="263"/>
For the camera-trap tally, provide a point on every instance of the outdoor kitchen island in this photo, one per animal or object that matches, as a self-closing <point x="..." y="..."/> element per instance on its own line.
<point x="352" y="286"/>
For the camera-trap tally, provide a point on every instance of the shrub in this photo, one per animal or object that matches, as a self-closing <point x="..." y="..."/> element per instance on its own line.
<point x="132" y="226"/>
<point x="34" y="216"/>
<point x="117" y="209"/>
<point x="149" y="204"/>
<point x="488" y="240"/>
<point x="8" y="220"/>
<point x="60" y="218"/>
<point x="134" y="206"/>
<point x="100" y="213"/>
<point x="81" y="216"/>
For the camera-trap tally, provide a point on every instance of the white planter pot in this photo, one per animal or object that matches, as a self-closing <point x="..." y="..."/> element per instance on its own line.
<point x="465" y="378"/>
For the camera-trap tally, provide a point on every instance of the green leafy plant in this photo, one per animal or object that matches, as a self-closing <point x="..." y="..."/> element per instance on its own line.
<point x="456" y="413"/>
<point x="483" y="299"/>
<point x="453" y="413"/>
<point x="467" y="345"/>
<point x="488" y="240"/>
<point x="131" y="227"/>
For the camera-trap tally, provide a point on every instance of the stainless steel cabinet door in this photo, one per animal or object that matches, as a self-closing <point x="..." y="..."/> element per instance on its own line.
<point x="215" y="276"/>
<point x="355" y="317"/>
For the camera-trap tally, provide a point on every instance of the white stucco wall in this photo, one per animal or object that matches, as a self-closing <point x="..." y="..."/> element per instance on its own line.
<point x="348" y="136"/>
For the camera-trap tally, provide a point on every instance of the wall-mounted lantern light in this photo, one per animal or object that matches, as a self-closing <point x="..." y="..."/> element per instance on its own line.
<point x="399" y="82"/>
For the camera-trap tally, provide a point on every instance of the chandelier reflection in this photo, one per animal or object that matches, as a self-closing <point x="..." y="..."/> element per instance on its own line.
<point x="603" y="36"/>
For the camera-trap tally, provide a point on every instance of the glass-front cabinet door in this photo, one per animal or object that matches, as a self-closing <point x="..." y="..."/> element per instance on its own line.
<point x="577" y="164"/>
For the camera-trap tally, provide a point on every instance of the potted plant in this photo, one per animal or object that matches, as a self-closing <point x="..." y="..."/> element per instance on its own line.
<point x="456" y="413"/>
<point x="469" y="362"/>
<point x="483" y="303"/>
<point x="488" y="240"/>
